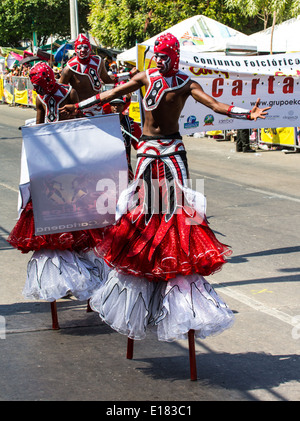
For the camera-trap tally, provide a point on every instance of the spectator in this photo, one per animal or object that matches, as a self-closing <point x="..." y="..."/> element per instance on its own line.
<point x="243" y="141"/>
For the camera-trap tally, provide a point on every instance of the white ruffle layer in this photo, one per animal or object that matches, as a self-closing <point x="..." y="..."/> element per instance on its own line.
<point x="52" y="274"/>
<point x="131" y="305"/>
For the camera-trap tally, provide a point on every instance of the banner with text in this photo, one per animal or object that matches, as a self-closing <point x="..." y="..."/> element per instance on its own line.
<point x="240" y="81"/>
<point x="77" y="170"/>
<point x="284" y="136"/>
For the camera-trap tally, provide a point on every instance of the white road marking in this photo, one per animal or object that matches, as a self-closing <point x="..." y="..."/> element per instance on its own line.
<point x="278" y="196"/>
<point x="9" y="187"/>
<point x="256" y="305"/>
<point x="265" y="192"/>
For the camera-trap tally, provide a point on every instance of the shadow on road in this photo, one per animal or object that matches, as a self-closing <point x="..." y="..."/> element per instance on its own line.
<point x="242" y="372"/>
<point x="4" y="245"/>
<point x="282" y="250"/>
<point x="237" y="373"/>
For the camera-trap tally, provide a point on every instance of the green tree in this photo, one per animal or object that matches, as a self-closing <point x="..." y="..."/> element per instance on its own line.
<point x="20" y="18"/>
<point x="123" y="22"/>
<point x="267" y="10"/>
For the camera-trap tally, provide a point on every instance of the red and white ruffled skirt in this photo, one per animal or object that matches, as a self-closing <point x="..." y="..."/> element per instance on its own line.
<point x="61" y="263"/>
<point x="159" y="250"/>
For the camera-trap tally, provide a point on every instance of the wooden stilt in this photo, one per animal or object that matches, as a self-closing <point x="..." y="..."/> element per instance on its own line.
<point x="55" y="324"/>
<point x="130" y="343"/>
<point x="192" y="354"/>
<point x="88" y="308"/>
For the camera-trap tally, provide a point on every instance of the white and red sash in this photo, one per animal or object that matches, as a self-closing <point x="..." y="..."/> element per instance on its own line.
<point x="91" y="69"/>
<point x="169" y="156"/>
<point x="52" y="102"/>
<point x="158" y="85"/>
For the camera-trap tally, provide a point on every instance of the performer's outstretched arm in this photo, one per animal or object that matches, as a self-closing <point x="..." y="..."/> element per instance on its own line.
<point x="235" y="112"/>
<point x="133" y="85"/>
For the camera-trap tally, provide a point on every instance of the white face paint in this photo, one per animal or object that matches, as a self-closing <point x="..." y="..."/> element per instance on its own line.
<point x="83" y="51"/>
<point x="38" y="89"/>
<point x="163" y="62"/>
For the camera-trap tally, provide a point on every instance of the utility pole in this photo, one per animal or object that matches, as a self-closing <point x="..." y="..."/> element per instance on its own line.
<point x="74" y="19"/>
<point x="34" y="38"/>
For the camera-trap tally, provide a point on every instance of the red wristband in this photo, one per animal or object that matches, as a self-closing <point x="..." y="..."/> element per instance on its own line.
<point x="229" y="109"/>
<point x="99" y="99"/>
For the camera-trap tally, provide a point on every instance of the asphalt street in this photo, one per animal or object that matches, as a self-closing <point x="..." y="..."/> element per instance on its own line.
<point x="253" y="206"/>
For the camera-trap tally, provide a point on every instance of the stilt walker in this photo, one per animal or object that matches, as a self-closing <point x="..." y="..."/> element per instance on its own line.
<point x="61" y="263"/>
<point x="161" y="247"/>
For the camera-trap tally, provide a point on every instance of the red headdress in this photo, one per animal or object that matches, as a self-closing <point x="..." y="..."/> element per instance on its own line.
<point x="82" y="54"/>
<point x="169" y="45"/>
<point x="42" y="76"/>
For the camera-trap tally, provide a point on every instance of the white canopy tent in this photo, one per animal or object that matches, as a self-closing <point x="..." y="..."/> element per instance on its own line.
<point x="286" y="38"/>
<point x="200" y="34"/>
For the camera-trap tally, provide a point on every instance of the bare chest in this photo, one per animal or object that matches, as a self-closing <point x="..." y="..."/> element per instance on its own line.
<point x="83" y="85"/>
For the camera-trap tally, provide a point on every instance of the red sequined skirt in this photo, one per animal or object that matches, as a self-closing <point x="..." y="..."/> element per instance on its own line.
<point x="160" y="250"/>
<point x="23" y="237"/>
<point x="158" y="245"/>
